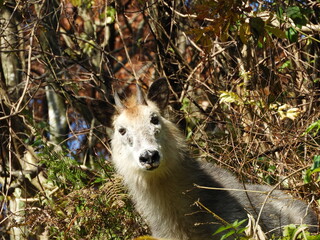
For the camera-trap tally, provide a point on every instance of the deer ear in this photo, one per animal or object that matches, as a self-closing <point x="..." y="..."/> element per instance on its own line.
<point x="117" y="101"/>
<point x="159" y="92"/>
<point x="140" y="96"/>
<point x="103" y="111"/>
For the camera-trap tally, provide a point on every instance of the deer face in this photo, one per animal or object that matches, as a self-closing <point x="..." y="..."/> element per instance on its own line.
<point x="138" y="127"/>
<point x="138" y="135"/>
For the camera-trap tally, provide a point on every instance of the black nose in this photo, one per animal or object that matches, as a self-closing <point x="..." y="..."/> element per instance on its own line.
<point x="150" y="158"/>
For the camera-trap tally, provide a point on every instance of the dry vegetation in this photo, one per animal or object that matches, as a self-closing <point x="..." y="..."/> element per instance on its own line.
<point x="245" y="84"/>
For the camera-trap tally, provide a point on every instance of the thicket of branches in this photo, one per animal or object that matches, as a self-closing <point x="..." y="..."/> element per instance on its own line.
<point x="245" y="84"/>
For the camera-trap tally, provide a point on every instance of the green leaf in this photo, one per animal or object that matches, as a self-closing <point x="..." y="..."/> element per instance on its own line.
<point x="280" y="12"/>
<point x="294" y="12"/>
<point x="289" y="230"/>
<point x="228" y="234"/>
<point x="316" y="163"/>
<point x="297" y="14"/>
<point x="76" y="3"/>
<point x="314" y="127"/>
<point x="307" y="177"/>
<point x="222" y="228"/>
<point x="257" y="26"/>
<point x="286" y="64"/>
<point x="229" y="97"/>
<point x="109" y="14"/>
<point x="233" y="229"/>
<point x="315" y="168"/>
<point x="99" y="180"/>
<point x="238" y="224"/>
<point x="276" y="31"/>
<point x="38" y="142"/>
<point x="316" y="237"/>
<point x="292" y="35"/>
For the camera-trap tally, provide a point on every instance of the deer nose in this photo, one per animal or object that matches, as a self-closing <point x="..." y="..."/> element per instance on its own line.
<point x="150" y="159"/>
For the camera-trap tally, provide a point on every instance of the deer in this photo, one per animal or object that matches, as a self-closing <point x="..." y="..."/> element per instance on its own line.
<point x="153" y="158"/>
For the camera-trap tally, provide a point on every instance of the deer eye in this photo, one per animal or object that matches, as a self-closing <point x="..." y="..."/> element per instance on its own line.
<point x="154" y="120"/>
<point x="122" y="131"/>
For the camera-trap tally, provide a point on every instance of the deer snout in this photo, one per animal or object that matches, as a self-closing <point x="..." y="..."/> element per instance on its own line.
<point x="150" y="159"/>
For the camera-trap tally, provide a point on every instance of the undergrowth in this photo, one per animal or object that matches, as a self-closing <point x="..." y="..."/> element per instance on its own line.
<point x="85" y="204"/>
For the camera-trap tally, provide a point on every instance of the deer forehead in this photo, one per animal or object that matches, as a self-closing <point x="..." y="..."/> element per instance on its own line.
<point x="136" y="115"/>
